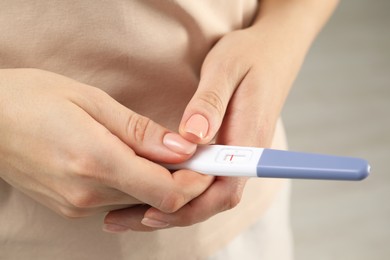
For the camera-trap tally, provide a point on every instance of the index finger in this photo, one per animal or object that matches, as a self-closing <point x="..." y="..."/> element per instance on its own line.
<point x="220" y="77"/>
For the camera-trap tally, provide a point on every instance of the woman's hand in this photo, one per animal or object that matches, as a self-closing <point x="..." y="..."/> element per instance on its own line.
<point x="76" y="150"/>
<point x="244" y="81"/>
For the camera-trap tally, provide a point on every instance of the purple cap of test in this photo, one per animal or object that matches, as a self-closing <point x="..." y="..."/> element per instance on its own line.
<point x="287" y="164"/>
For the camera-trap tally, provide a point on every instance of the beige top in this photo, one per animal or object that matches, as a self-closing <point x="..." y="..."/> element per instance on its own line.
<point x="140" y="52"/>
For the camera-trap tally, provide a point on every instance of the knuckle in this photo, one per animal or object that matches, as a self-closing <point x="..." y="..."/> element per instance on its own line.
<point x="171" y="202"/>
<point x="84" y="166"/>
<point x="88" y="165"/>
<point x="234" y="201"/>
<point x="137" y="126"/>
<point x="71" y="212"/>
<point x="81" y="199"/>
<point x="212" y="100"/>
<point x="231" y="201"/>
<point x="236" y="189"/>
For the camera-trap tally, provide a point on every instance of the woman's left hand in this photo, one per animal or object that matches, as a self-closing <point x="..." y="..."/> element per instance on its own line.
<point x="244" y="81"/>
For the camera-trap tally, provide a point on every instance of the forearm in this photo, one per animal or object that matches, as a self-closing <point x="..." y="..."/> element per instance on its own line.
<point x="282" y="33"/>
<point x="299" y="19"/>
<point x="292" y="25"/>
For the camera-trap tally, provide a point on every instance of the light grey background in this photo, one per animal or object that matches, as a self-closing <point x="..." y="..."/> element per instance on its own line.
<point x="340" y="104"/>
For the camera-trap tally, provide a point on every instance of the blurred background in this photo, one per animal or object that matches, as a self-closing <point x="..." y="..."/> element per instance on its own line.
<point x="340" y="104"/>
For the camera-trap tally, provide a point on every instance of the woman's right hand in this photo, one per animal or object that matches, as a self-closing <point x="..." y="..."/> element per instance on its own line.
<point x="76" y="150"/>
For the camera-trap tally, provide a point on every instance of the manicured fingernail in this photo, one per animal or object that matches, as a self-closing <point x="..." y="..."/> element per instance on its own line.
<point x="113" y="228"/>
<point x="197" y="125"/>
<point x="154" y="223"/>
<point x="178" y="144"/>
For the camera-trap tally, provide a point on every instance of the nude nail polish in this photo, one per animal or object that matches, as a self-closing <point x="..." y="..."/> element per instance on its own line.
<point x="197" y="125"/>
<point x="178" y="144"/>
<point x="154" y="223"/>
<point x="114" y="228"/>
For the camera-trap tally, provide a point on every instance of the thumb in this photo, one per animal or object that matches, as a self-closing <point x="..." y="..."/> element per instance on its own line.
<point x="204" y="113"/>
<point x="147" y="138"/>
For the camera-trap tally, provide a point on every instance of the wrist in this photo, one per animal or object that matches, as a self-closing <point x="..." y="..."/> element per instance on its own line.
<point x="296" y="22"/>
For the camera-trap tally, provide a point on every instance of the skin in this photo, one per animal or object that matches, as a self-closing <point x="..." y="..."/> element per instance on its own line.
<point x="50" y="125"/>
<point x="245" y="79"/>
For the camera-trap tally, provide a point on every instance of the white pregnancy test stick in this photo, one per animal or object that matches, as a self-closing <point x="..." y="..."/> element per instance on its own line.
<point x="222" y="160"/>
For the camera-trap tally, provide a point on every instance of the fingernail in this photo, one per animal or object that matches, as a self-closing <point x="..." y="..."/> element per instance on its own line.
<point x="197" y="125"/>
<point x="178" y="144"/>
<point x="114" y="228"/>
<point x="154" y="223"/>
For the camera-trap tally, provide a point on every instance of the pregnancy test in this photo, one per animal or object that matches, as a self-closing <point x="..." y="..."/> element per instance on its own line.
<point x="222" y="160"/>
